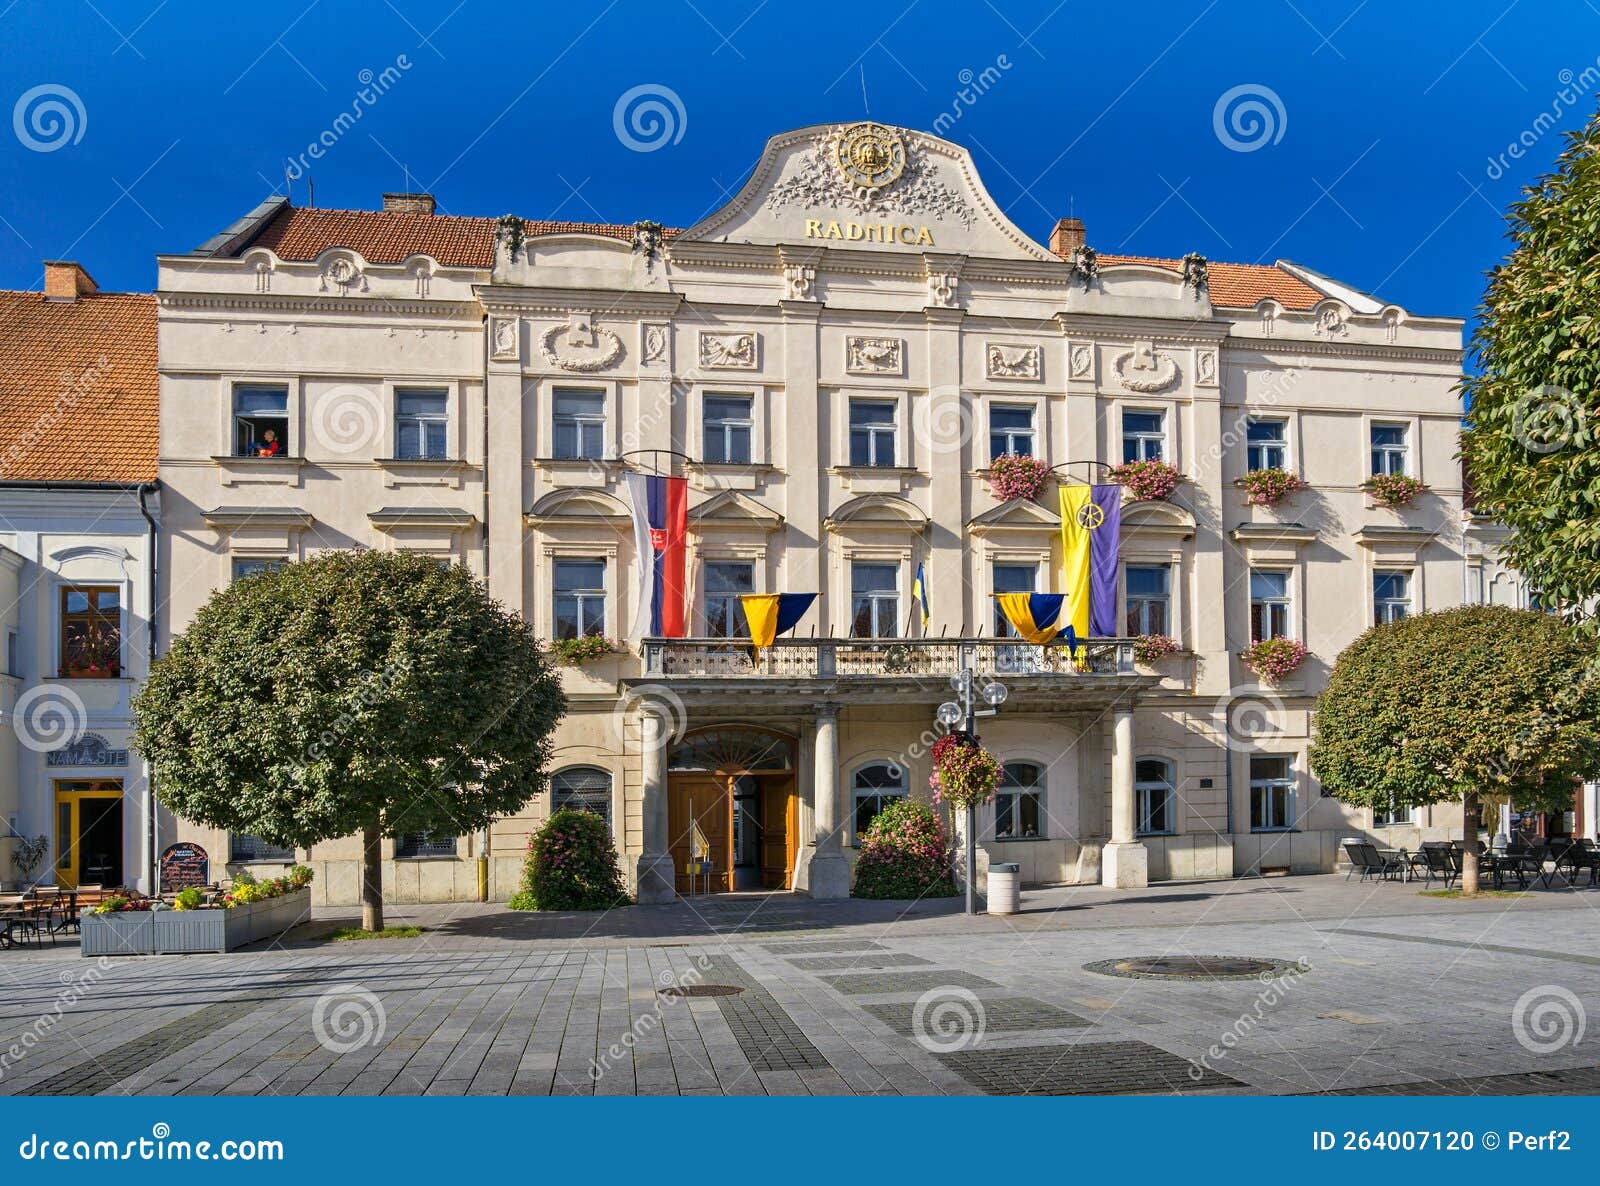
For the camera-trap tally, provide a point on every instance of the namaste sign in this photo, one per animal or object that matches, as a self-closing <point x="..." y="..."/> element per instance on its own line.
<point x="1090" y="516"/>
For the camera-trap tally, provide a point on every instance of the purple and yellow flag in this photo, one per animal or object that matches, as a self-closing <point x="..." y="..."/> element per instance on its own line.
<point x="1091" y="528"/>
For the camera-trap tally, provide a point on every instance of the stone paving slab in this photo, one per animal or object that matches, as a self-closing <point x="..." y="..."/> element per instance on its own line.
<point x="887" y="983"/>
<point x="1101" y="1068"/>
<point x="998" y="1014"/>
<point x="829" y="963"/>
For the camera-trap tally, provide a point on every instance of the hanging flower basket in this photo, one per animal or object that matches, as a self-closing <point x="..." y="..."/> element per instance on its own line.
<point x="1016" y="475"/>
<point x="964" y="773"/>
<point x="1147" y="481"/>
<point x="1148" y="649"/>
<point x="1268" y="487"/>
<point x="1275" y="659"/>
<point x="1393" y="490"/>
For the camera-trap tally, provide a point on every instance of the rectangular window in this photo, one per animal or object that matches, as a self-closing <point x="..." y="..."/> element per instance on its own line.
<point x="1391" y="596"/>
<point x="874" y="600"/>
<point x="580" y="425"/>
<point x="260" y="421"/>
<point x="1267" y="444"/>
<point x="423" y="844"/>
<point x="421" y="423"/>
<point x="1012" y="578"/>
<point x="580" y="598"/>
<point x="244" y="847"/>
<point x="1391" y="448"/>
<point x="1269" y="604"/>
<point x="1144" y="436"/>
<point x="248" y="566"/>
<point x="1149" y="601"/>
<point x="1271" y="792"/>
<point x="872" y="433"/>
<point x="728" y="426"/>
<point x="91" y="633"/>
<point x="725" y="581"/>
<point x="1395" y="815"/>
<point x="1153" y="795"/>
<point x="13" y="653"/>
<point x="1010" y="430"/>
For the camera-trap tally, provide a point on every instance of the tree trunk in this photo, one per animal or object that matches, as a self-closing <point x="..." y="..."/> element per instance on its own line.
<point x="371" y="878"/>
<point x="1469" y="843"/>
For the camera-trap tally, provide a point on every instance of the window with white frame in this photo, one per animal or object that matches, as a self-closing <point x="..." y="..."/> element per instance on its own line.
<point x="1391" y="448"/>
<point x="582" y="788"/>
<point x="1010" y="430"/>
<point x="1271" y="792"/>
<point x="421" y="423"/>
<point x="726" y="430"/>
<point x="725" y="581"/>
<point x="580" y="424"/>
<point x="260" y="420"/>
<point x="872" y="432"/>
<point x="580" y="597"/>
<point x="1149" y="598"/>
<point x="1266" y="443"/>
<point x="873" y="787"/>
<point x="1391" y="596"/>
<point x="1019" y="803"/>
<point x="1144" y="436"/>
<point x="1154" y="797"/>
<point x="874" y="600"/>
<point x="1392" y="816"/>
<point x="1269" y="604"/>
<point x="1011" y="578"/>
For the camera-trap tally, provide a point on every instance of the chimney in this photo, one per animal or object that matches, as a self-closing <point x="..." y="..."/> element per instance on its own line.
<point x="65" y="280"/>
<point x="1067" y="237"/>
<point x="408" y="203"/>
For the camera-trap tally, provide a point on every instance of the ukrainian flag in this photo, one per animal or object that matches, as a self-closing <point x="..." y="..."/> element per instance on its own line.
<point x="1035" y="616"/>
<point x="772" y="614"/>
<point x="1078" y="521"/>
<point x="919" y="594"/>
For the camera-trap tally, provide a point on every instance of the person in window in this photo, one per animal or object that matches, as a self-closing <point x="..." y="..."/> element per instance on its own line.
<point x="269" y="445"/>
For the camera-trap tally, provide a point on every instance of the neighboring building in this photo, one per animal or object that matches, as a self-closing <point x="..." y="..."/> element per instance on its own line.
<point x="78" y="516"/>
<point x="832" y="359"/>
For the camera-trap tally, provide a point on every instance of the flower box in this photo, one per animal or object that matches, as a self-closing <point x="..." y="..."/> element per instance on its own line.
<point x="128" y="932"/>
<point x="179" y="932"/>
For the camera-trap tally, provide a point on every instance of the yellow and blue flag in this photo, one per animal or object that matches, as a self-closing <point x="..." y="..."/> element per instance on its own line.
<point x="1091" y="526"/>
<point x="772" y="614"/>
<point x="1037" y="617"/>
<point x="919" y="593"/>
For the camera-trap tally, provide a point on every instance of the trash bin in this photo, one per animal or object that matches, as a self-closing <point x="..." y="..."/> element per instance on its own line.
<point x="1003" y="879"/>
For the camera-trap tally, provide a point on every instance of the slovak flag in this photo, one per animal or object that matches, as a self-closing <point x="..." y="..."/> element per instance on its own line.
<point x="660" y="525"/>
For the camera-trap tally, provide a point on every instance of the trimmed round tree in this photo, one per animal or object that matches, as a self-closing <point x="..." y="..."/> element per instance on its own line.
<point x="366" y="693"/>
<point x="1445" y="707"/>
<point x="1534" y="395"/>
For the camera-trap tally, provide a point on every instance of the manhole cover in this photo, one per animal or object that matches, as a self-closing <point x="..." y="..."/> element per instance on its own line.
<point x="1192" y="967"/>
<point x="702" y="990"/>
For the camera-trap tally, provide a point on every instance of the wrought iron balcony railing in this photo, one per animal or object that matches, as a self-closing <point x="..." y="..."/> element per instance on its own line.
<point x="842" y="658"/>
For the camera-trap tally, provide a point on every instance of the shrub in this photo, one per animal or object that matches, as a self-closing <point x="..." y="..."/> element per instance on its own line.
<point x="1147" y="480"/>
<point x="1275" y="658"/>
<point x="300" y="876"/>
<point x="121" y="904"/>
<point x="1268" y="487"/>
<point x="1016" y="475"/>
<point x="572" y="865"/>
<point x="905" y="854"/>
<point x="189" y="899"/>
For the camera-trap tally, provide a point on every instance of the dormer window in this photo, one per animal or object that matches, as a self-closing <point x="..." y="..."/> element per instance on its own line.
<point x="260" y="421"/>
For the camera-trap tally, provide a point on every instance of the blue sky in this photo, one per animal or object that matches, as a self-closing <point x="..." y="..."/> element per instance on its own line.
<point x="1377" y="155"/>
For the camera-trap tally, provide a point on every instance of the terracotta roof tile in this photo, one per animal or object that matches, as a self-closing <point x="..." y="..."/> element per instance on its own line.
<point x="1238" y="286"/>
<point x="78" y="388"/>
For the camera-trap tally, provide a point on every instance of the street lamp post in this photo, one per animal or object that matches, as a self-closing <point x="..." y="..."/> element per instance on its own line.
<point x="965" y="711"/>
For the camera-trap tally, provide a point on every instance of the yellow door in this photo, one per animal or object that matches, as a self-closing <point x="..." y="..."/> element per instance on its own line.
<point x="89" y="833"/>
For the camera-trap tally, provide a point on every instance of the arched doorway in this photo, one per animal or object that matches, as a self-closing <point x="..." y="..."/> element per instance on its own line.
<point x="731" y="794"/>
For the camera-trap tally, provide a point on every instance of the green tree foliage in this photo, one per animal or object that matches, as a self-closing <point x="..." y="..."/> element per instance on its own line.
<point x="1529" y="437"/>
<point x="905" y="854"/>
<point x="572" y="865"/>
<point x="1446" y="706"/>
<point x="358" y="692"/>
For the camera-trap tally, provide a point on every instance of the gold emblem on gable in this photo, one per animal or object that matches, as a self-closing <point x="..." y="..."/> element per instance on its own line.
<point x="869" y="156"/>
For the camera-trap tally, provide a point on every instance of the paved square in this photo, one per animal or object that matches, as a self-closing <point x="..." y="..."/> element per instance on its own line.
<point x="1000" y="1015"/>
<point x="1101" y="1068"/>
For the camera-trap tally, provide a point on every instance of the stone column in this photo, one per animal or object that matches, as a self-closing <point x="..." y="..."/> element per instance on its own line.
<point x="829" y="873"/>
<point x="1125" y="863"/>
<point x="657" y="878"/>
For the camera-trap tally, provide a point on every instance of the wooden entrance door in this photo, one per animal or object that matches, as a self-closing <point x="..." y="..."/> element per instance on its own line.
<point x="89" y="833"/>
<point x="780" y="830"/>
<point x="708" y="800"/>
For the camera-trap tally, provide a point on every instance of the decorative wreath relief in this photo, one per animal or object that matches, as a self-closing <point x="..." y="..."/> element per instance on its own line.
<point x="964" y="773"/>
<point x="1393" y="490"/>
<point x="1147" y="480"/>
<point x="1275" y="659"/>
<point x="1150" y="648"/>
<point x="1269" y="487"/>
<point x="1016" y="475"/>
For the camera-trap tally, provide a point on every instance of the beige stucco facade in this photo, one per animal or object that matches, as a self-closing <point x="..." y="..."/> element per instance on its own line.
<point x="802" y="297"/>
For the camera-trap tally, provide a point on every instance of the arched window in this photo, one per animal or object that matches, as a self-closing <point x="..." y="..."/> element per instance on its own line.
<point x="875" y="786"/>
<point x="1154" y="797"/>
<point x="583" y="788"/>
<point x="1019" y="803"/>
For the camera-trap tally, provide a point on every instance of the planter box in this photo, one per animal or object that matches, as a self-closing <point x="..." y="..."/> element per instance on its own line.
<point x="178" y="932"/>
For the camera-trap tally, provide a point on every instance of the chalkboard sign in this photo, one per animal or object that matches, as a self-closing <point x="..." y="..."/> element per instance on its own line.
<point x="182" y="866"/>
